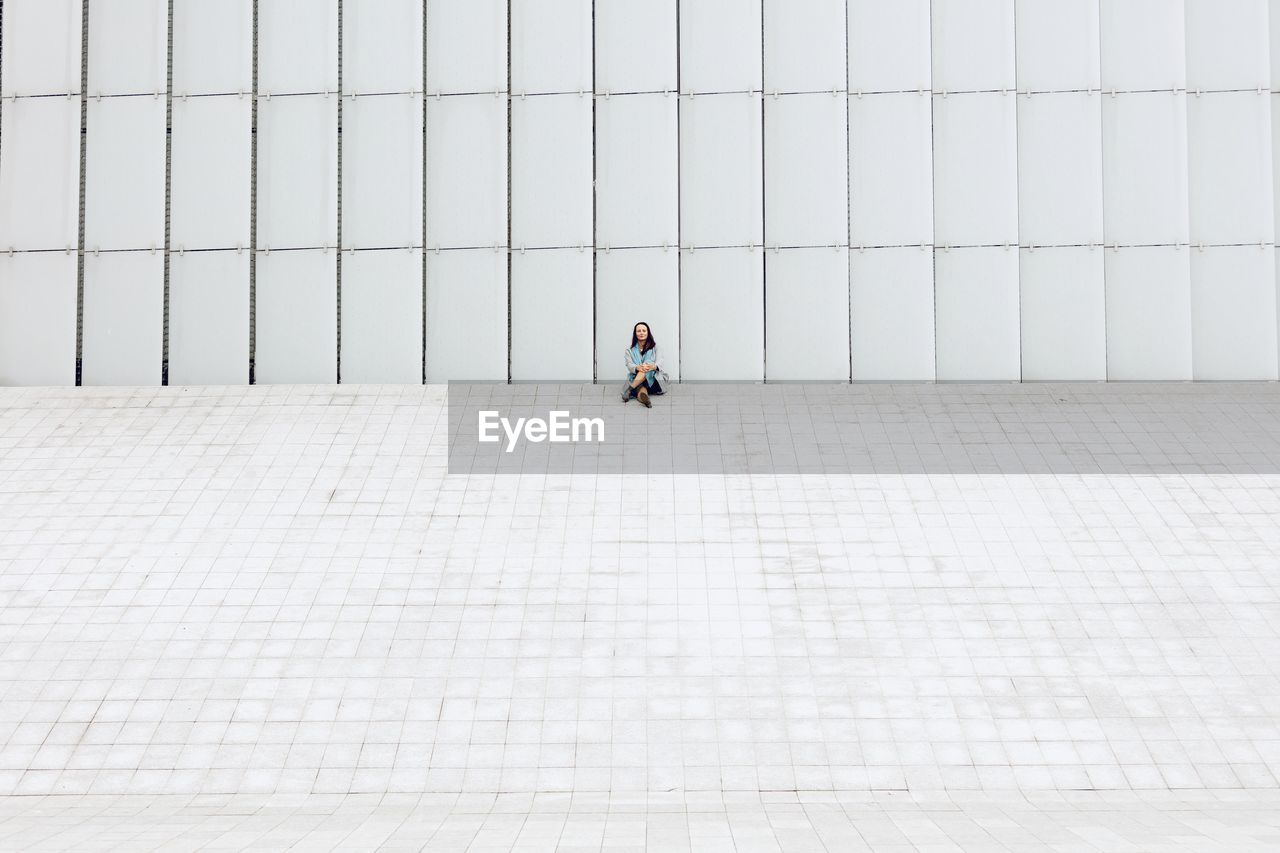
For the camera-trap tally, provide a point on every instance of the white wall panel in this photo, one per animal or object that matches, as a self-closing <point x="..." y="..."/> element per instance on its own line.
<point x="1063" y="310"/>
<point x="552" y="315"/>
<point x="212" y="46"/>
<point x="128" y="46"/>
<point x="40" y="173"/>
<point x="124" y="173"/>
<point x="467" y="171"/>
<point x="594" y="165"/>
<point x="551" y="44"/>
<point x="977" y="314"/>
<point x="722" y="315"/>
<point x="37" y="318"/>
<point x="1058" y="46"/>
<point x="1060" y="169"/>
<point x="470" y="283"/>
<point x="1143" y="44"/>
<point x="40" y="47"/>
<point x="975" y="168"/>
<point x="1274" y="19"/>
<point x="635" y="45"/>
<point x="806" y="170"/>
<point x="1233" y="313"/>
<point x="1228" y="44"/>
<point x="720" y="46"/>
<point x="123" y="340"/>
<point x="804" y="45"/>
<point x="297" y="317"/>
<point x="381" y="46"/>
<point x="891" y="169"/>
<point x="382" y="317"/>
<point x="1230" y="154"/>
<point x="1144" y="161"/>
<point x="637" y="171"/>
<point x="891" y="314"/>
<point x="551" y="171"/>
<point x="721" y="186"/>
<point x="209" y="318"/>
<point x="1275" y="158"/>
<point x="209" y="192"/>
<point x="297" y="46"/>
<point x="973" y="45"/>
<point x="633" y="286"/>
<point x="466" y="46"/>
<point x="807" y="314"/>
<point x="890" y="46"/>
<point x="382" y="172"/>
<point x="1148" y="313"/>
<point x="298" y="172"/>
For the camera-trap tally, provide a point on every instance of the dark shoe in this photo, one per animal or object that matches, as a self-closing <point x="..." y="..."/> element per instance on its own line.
<point x="626" y="394"/>
<point x="643" y="397"/>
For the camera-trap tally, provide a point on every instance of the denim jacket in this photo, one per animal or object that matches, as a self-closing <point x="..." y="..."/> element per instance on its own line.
<point x="634" y="357"/>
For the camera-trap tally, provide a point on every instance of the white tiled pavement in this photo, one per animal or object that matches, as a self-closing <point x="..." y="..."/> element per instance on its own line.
<point x="245" y="592"/>
<point x="848" y="822"/>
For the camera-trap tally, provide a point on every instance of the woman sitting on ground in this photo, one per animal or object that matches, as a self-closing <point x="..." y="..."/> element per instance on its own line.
<point x="643" y="366"/>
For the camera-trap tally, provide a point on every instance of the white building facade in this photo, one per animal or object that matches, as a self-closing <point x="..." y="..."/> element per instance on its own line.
<point x="400" y="191"/>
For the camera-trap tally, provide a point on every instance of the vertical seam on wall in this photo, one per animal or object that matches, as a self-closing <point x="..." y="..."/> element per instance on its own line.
<point x="1" y="76"/>
<point x="764" y="217"/>
<point x="1017" y="187"/>
<point x="2" y="81"/>
<point x="509" y="192"/>
<point x="338" y="261"/>
<point x="679" y="223"/>
<point x="1186" y="149"/>
<point x="595" y="254"/>
<point x="84" y="144"/>
<point x="425" y="8"/>
<point x="933" y="192"/>
<point x="253" y="202"/>
<point x="1102" y="154"/>
<point x="168" y="198"/>
<point x="848" y="196"/>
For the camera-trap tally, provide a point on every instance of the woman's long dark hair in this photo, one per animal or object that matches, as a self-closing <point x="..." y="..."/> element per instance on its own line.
<point x="649" y="343"/>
